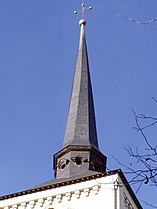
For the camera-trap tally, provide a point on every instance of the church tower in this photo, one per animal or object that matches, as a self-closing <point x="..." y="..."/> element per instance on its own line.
<point x="81" y="179"/>
<point x="80" y="152"/>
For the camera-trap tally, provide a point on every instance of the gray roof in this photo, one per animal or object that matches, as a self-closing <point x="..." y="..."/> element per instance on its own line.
<point x="81" y="125"/>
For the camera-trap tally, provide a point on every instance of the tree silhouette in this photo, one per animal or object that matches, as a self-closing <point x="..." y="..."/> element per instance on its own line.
<point x="143" y="166"/>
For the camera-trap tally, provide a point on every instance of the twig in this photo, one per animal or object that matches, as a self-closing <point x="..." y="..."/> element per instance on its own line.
<point x="138" y="22"/>
<point x="146" y="203"/>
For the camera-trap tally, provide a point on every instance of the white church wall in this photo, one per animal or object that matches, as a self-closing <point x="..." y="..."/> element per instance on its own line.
<point x="96" y="193"/>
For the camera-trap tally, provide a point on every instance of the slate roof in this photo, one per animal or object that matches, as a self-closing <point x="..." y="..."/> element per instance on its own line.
<point x="81" y="125"/>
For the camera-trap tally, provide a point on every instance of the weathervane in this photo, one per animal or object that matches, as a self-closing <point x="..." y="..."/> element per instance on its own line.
<point x="83" y="9"/>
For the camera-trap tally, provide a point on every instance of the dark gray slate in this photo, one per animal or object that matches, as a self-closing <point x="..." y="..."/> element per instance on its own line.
<point x="81" y="126"/>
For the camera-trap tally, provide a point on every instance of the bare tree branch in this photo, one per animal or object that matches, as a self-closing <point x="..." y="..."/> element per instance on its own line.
<point x="138" y="22"/>
<point x="154" y="99"/>
<point x="140" y="129"/>
<point x="143" y="167"/>
<point x="146" y="203"/>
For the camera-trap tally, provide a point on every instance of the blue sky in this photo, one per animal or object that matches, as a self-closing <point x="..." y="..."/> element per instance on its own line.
<point x="38" y="47"/>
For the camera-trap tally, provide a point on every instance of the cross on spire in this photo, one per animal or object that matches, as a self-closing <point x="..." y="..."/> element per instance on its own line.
<point x="83" y="9"/>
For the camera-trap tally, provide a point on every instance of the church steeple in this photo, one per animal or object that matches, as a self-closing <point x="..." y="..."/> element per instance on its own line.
<point x="80" y="152"/>
<point x="81" y="126"/>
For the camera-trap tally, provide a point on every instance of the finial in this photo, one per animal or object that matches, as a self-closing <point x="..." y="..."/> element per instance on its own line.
<point x="82" y="22"/>
<point x="82" y="11"/>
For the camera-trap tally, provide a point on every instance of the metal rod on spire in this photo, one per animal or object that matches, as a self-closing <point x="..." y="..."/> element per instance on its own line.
<point x="83" y="9"/>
